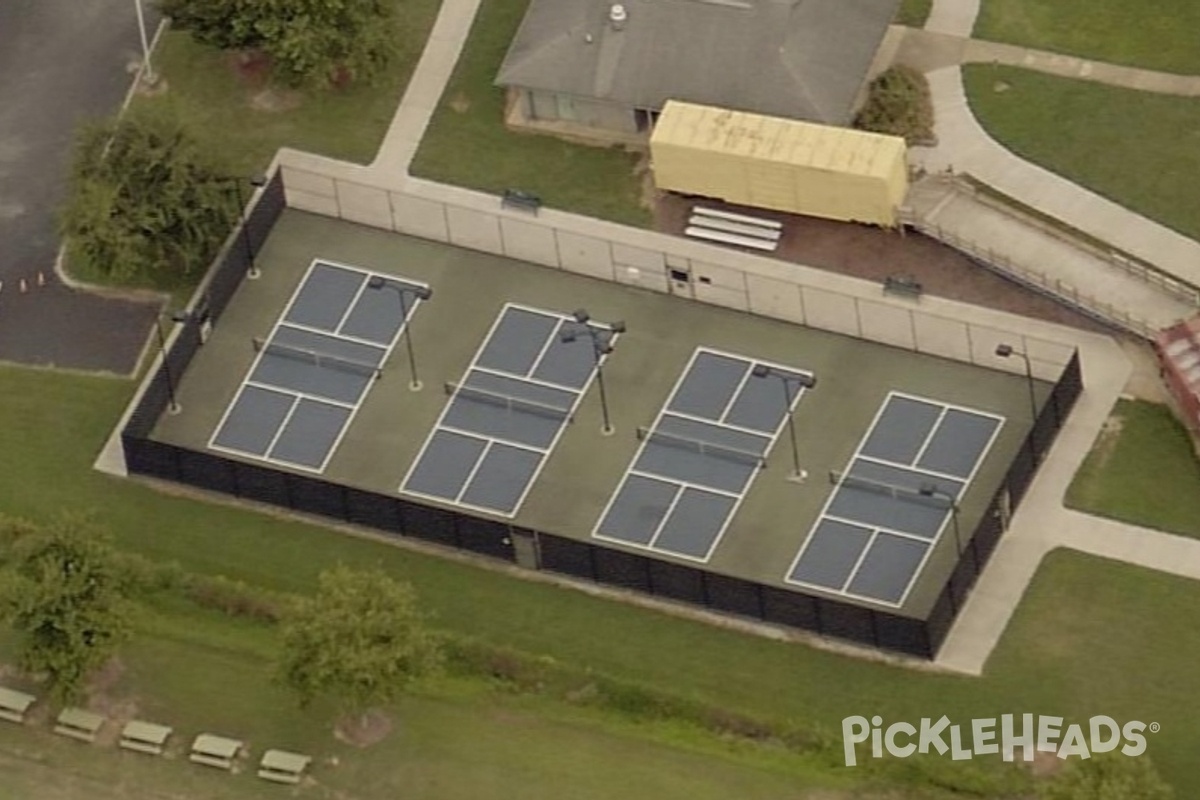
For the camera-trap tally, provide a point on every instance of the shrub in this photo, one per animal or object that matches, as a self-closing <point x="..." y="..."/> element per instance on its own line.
<point x="898" y="103"/>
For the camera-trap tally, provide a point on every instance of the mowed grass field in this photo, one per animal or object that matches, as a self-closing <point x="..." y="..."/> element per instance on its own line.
<point x="453" y="740"/>
<point x="229" y="109"/>
<point x="1091" y="637"/>
<point x="467" y="143"/>
<point x="1142" y="470"/>
<point x="1152" y="34"/>
<point x="1138" y="149"/>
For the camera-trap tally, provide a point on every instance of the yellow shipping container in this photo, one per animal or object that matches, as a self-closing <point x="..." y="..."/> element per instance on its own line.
<point x="782" y="164"/>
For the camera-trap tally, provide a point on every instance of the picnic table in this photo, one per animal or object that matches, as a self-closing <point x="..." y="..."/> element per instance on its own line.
<point x="14" y="704"/>
<point x="283" y="767"/>
<point x="79" y="724"/>
<point x="144" y="737"/>
<point x="215" y="751"/>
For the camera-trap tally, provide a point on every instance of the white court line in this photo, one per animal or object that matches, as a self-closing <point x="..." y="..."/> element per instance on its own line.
<point x="280" y="322"/>
<point x="339" y="337"/>
<point x="546" y="345"/>
<point x="737" y="392"/>
<point x="483" y="437"/>
<point x="718" y="424"/>
<point x="270" y="387"/>
<point x="466" y="484"/>
<point x="883" y="462"/>
<point x="362" y="287"/>
<point x="946" y="518"/>
<point x="654" y="476"/>
<point x="499" y="373"/>
<point x="858" y="523"/>
<point x="662" y="523"/>
<point x="937" y="423"/>
<point x="664" y="411"/>
<point x="440" y="424"/>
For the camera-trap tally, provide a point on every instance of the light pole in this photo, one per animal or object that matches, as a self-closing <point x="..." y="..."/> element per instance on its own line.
<point x="600" y="348"/>
<point x="148" y="76"/>
<point x="785" y="379"/>
<point x="421" y="293"/>
<point x="173" y="406"/>
<point x="931" y="490"/>
<point x="1006" y="350"/>
<point x="257" y="181"/>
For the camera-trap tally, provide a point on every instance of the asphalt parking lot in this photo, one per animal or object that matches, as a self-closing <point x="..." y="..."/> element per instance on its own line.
<point x="63" y="62"/>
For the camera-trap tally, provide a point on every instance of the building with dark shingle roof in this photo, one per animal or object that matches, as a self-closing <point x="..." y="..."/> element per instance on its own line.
<point x="600" y="65"/>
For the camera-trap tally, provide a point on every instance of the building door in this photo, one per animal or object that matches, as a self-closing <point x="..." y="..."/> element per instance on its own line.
<point x="525" y="549"/>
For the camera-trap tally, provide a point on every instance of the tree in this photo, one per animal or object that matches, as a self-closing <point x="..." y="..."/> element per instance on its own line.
<point x="308" y="41"/>
<point x="64" y="593"/>
<point x="1108" y="777"/>
<point x="898" y="103"/>
<point x="362" y="639"/>
<point x="144" y="203"/>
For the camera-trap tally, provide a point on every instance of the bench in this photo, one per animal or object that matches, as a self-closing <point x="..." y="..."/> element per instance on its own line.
<point x="522" y="201"/>
<point x="14" y="704"/>
<point x="768" y="234"/>
<point x="902" y="284"/>
<point x="283" y="767"/>
<point x="732" y="217"/>
<point x="144" y="737"/>
<point x="78" y="724"/>
<point x="215" y="751"/>
<point x="729" y="238"/>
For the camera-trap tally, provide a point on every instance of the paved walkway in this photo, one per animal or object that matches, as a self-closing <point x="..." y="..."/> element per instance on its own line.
<point x="1049" y="259"/>
<point x="1040" y="524"/>
<point x="965" y="147"/>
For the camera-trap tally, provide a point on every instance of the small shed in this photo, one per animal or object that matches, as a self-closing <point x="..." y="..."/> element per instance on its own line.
<point x="781" y="164"/>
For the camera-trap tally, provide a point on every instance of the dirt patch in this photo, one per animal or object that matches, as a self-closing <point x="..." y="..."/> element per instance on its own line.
<point x="864" y="251"/>
<point x="460" y="103"/>
<point x="274" y="100"/>
<point x="363" y="730"/>
<point x="1046" y="765"/>
<point x="101" y="698"/>
<point x="1106" y="442"/>
<point x="253" y="67"/>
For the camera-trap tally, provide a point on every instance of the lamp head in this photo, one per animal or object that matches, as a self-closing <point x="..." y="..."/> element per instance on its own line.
<point x="1004" y="350"/>
<point x="581" y="316"/>
<point x="760" y="371"/>
<point x="376" y="282"/>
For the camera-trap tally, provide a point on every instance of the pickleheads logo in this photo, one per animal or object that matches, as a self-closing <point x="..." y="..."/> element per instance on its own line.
<point x="980" y="737"/>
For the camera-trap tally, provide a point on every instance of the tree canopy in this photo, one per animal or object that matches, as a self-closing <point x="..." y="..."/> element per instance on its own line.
<point x="64" y="592"/>
<point x="361" y="640"/>
<point x="898" y="103"/>
<point x="144" y="202"/>
<point x="308" y="41"/>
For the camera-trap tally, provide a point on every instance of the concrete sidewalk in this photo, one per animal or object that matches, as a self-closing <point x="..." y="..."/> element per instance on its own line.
<point x="1041" y="523"/>
<point x="1048" y="259"/>
<point x="928" y="50"/>
<point x="965" y="147"/>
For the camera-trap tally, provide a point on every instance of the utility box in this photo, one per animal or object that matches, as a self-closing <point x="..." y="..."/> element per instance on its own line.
<point x="781" y="164"/>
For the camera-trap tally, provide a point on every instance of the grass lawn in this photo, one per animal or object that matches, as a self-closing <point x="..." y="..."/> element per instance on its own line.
<point x="914" y="13"/>
<point x="1152" y="34"/>
<point x="217" y="104"/>
<point x="1138" y="149"/>
<point x="1061" y="655"/>
<point x="455" y="740"/>
<point x="1143" y="470"/>
<point x="467" y="144"/>
<point x="224" y="108"/>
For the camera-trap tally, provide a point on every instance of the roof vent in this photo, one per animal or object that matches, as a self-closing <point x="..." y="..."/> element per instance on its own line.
<point x="617" y="16"/>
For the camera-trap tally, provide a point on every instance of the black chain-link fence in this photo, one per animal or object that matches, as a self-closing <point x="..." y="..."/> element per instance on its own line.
<point x="592" y="562"/>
